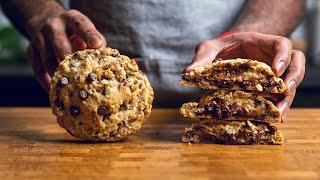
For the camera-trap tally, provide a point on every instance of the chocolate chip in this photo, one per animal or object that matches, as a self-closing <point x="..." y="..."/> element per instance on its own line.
<point x="122" y="124"/>
<point x="123" y="107"/>
<point x="83" y="94"/>
<point x="102" y="110"/>
<point x="64" y="81"/>
<point x="216" y="59"/>
<point x="244" y="67"/>
<point x="92" y="76"/>
<point x="114" y="54"/>
<point x="74" y="110"/>
<point x="58" y="103"/>
<point x="113" y="134"/>
<point x="273" y="129"/>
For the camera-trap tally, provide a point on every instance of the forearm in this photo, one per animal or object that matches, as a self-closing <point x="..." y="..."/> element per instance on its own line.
<point x="28" y="15"/>
<point x="270" y="17"/>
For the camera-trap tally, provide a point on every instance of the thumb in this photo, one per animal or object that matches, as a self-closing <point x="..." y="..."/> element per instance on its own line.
<point x="205" y="53"/>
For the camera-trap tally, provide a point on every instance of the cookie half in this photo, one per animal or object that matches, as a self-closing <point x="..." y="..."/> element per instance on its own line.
<point x="100" y="95"/>
<point x="231" y="105"/>
<point x="234" y="74"/>
<point x="233" y="132"/>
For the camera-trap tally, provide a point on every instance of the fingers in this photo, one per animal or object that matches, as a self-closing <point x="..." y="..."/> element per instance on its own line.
<point x="295" y="71"/>
<point x="43" y="47"/>
<point x="82" y="26"/>
<point x="39" y="72"/>
<point x="293" y="78"/>
<point x="77" y="43"/>
<point x="282" y="58"/>
<point x="285" y="104"/>
<point x="205" y="53"/>
<point x="55" y="32"/>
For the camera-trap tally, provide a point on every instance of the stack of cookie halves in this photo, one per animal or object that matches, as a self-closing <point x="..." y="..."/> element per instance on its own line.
<point x="235" y="108"/>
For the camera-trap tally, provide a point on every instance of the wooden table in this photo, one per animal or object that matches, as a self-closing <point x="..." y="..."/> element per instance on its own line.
<point x="32" y="145"/>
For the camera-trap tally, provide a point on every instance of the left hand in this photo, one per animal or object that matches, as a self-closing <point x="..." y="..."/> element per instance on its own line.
<point x="275" y="51"/>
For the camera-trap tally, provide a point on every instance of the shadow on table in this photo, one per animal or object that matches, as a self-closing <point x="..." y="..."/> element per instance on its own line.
<point x="163" y="132"/>
<point x="159" y="132"/>
<point x="33" y="136"/>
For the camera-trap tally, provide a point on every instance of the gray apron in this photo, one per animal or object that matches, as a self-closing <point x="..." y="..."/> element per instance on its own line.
<point x="161" y="35"/>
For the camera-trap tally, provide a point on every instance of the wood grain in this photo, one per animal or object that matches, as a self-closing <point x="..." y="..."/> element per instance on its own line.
<point x="33" y="146"/>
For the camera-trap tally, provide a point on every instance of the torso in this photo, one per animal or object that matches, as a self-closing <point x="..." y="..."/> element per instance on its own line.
<point x="161" y="34"/>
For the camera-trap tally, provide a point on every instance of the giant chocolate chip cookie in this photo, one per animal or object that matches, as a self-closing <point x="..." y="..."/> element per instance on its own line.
<point x="100" y="95"/>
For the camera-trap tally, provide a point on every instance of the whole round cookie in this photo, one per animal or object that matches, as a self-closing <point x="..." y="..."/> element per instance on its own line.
<point x="100" y="95"/>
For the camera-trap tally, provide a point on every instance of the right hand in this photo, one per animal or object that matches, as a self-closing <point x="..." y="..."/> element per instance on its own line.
<point x="58" y="36"/>
<point x="276" y="51"/>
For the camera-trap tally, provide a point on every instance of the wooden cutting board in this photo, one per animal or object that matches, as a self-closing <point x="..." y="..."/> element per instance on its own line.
<point x="32" y="145"/>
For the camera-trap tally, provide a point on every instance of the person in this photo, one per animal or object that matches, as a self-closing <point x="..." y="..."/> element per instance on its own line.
<point x="161" y="35"/>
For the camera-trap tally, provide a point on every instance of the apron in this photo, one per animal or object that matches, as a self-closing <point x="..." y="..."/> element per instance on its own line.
<point x="161" y="35"/>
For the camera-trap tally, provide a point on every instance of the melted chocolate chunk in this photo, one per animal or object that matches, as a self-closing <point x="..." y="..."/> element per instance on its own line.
<point x="102" y="110"/>
<point x="225" y="112"/>
<point x="92" y="76"/>
<point x="257" y="102"/>
<point x="74" y="110"/>
<point x="64" y="81"/>
<point x="218" y="109"/>
<point x="83" y="94"/>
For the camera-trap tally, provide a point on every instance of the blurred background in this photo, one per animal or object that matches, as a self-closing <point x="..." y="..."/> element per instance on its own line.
<point x="17" y="85"/>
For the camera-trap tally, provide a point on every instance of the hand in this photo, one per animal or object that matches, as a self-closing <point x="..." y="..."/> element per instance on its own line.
<point x="275" y="51"/>
<point x="58" y="36"/>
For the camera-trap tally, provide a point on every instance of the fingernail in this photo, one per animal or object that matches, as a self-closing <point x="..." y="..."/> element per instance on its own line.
<point x="94" y="41"/>
<point x="280" y="66"/>
<point x="292" y="85"/>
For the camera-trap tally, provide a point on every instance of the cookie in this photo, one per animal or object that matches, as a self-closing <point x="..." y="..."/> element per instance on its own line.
<point x="100" y="95"/>
<point x="234" y="74"/>
<point x="231" y="105"/>
<point x="233" y="132"/>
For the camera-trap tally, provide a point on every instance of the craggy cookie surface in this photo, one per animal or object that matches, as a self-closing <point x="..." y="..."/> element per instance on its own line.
<point x="235" y="74"/>
<point x="233" y="132"/>
<point x="231" y="105"/>
<point x="100" y="95"/>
